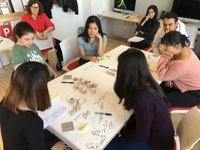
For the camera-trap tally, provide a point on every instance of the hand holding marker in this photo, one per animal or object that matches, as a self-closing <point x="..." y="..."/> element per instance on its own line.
<point x="103" y="113"/>
<point x="114" y="70"/>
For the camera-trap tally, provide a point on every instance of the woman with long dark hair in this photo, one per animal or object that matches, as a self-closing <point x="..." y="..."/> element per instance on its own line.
<point x="92" y="42"/>
<point x="179" y="68"/>
<point x="21" y="127"/>
<point x="150" y="126"/>
<point x="147" y="28"/>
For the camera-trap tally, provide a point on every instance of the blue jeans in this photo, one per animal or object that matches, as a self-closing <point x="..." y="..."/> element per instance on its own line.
<point x="122" y="143"/>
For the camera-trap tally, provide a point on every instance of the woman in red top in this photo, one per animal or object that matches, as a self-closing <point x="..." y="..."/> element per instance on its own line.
<point x="42" y="25"/>
<point x="38" y="19"/>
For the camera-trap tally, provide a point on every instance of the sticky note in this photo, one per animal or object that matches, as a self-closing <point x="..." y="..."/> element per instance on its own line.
<point x="53" y="95"/>
<point x="82" y="126"/>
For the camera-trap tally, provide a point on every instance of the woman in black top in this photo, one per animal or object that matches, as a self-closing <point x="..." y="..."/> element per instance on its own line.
<point x="150" y="127"/>
<point x="147" y="28"/>
<point x="21" y="127"/>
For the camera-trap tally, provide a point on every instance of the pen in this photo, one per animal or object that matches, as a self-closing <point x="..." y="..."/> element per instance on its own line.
<point x="102" y="113"/>
<point x="103" y="66"/>
<point x="67" y="82"/>
<point x="114" y="70"/>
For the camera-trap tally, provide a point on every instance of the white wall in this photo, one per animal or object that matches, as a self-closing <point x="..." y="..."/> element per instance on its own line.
<point x="17" y="5"/>
<point x="67" y="23"/>
<point x="142" y="5"/>
<point x="86" y="9"/>
<point x="90" y="7"/>
<point x="124" y="29"/>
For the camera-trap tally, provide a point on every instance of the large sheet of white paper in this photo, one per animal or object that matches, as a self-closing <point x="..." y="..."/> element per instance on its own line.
<point x="57" y="110"/>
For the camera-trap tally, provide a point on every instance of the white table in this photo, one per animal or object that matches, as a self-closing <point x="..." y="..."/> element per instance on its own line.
<point x="119" y="16"/>
<point x="5" y="44"/>
<point x="122" y="18"/>
<point x="100" y="129"/>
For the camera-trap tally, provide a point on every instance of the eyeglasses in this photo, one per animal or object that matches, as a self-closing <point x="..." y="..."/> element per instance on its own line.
<point x="34" y="7"/>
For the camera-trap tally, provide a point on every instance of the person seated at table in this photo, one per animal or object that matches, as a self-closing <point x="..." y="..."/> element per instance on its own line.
<point x="150" y="127"/>
<point x="24" y="49"/>
<point x="21" y="127"/>
<point x="92" y="42"/>
<point x="42" y="25"/>
<point x="170" y="23"/>
<point x="179" y="68"/>
<point x="38" y="19"/>
<point x="147" y="28"/>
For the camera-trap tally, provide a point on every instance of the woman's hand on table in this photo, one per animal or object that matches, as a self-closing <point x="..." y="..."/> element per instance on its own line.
<point x="95" y="59"/>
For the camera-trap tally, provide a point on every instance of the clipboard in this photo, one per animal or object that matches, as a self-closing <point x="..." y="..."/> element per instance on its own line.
<point x="44" y="44"/>
<point x="135" y="39"/>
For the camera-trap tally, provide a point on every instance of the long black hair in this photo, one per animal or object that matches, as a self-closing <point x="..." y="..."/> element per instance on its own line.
<point x="134" y="77"/>
<point x="91" y="19"/>
<point x="28" y="85"/>
<point x="150" y="23"/>
<point x="155" y="9"/>
<point x="154" y="19"/>
<point x="174" y="38"/>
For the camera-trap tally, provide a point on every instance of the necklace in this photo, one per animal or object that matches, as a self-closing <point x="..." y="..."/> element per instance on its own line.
<point x="92" y="41"/>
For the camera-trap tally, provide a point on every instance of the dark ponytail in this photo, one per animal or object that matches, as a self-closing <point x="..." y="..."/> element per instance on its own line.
<point x="185" y="40"/>
<point x="174" y="38"/>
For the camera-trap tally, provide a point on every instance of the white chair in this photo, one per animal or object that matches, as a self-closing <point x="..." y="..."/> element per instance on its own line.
<point x="188" y="130"/>
<point x="80" y="30"/>
<point x="192" y="34"/>
<point x="181" y="110"/>
<point x="70" y="53"/>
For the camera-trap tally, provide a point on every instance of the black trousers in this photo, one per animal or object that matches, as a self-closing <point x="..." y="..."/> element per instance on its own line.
<point x="141" y="45"/>
<point x="58" y="52"/>
<point x="178" y="99"/>
<point x="82" y="61"/>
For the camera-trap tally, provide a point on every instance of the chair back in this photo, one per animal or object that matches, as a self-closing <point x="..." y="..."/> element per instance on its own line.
<point x="188" y="129"/>
<point x="192" y="34"/>
<point x="80" y="30"/>
<point x="69" y="49"/>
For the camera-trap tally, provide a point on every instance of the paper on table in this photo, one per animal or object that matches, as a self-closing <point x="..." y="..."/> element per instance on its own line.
<point x="57" y="110"/>
<point x="6" y="44"/>
<point x="135" y="39"/>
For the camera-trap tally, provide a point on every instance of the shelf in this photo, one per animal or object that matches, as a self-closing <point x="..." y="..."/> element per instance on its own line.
<point x="12" y="16"/>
